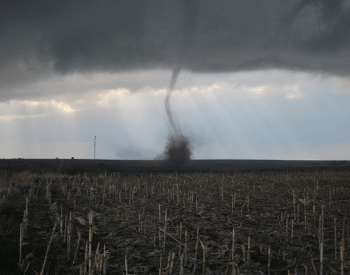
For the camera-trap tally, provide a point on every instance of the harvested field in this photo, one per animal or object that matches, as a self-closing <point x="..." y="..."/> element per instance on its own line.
<point x="186" y="223"/>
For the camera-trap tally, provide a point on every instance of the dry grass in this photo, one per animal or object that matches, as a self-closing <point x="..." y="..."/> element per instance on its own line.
<point x="243" y="223"/>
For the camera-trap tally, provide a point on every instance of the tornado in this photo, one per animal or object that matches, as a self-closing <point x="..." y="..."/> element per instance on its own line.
<point x="178" y="149"/>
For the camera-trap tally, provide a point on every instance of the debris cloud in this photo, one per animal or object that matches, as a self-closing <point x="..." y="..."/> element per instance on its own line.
<point x="178" y="149"/>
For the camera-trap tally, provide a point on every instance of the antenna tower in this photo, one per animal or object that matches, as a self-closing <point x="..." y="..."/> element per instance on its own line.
<point x="94" y="148"/>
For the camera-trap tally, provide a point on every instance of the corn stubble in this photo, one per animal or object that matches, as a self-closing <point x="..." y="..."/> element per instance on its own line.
<point x="195" y="223"/>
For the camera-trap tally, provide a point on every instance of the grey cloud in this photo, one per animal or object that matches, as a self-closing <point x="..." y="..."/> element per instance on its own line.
<point x="41" y="38"/>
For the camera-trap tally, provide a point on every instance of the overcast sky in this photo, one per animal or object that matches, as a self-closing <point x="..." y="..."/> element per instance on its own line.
<point x="256" y="79"/>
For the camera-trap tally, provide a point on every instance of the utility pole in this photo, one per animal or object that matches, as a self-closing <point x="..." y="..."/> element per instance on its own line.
<point x="94" y="149"/>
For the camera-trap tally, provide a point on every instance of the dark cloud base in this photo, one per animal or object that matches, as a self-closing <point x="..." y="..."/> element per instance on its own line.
<point x="70" y="36"/>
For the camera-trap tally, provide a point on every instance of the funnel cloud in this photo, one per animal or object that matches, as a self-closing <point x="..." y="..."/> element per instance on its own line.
<point x="178" y="148"/>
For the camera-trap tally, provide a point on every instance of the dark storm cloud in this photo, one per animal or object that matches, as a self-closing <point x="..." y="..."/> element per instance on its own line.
<point x="42" y="37"/>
